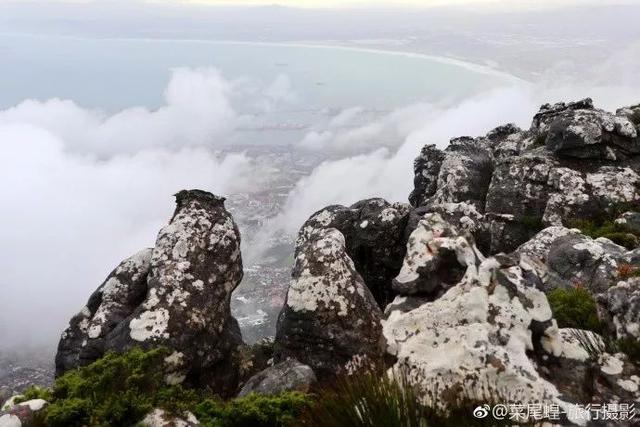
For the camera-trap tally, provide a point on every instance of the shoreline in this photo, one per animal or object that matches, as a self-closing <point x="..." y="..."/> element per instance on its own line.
<point x="467" y="65"/>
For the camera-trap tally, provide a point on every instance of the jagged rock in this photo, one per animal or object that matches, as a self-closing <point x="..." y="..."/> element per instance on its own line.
<point x="587" y="377"/>
<point x="620" y="306"/>
<point x="123" y="290"/>
<point x="475" y="340"/>
<point x="426" y="168"/>
<point x="463" y="216"/>
<point x="374" y="234"/>
<point x="587" y="169"/>
<point x="289" y="375"/>
<point x="176" y="296"/>
<point x="25" y="414"/>
<point x="160" y="418"/>
<point x="463" y="174"/>
<point x="437" y="258"/>
<point x="578" y="260"/>
<point x="579" y="130"/>
<point x="330" y="319"/>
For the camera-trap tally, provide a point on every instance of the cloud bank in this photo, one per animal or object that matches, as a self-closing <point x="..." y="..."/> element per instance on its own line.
<point x="82" y="190"/>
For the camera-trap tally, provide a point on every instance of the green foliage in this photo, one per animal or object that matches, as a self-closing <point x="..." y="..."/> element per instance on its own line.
<point x="574" y="308"/>
<point x="617" y="233"/>
<point x="34" y="392"/>
<point x="371" y="400"/>
<point x="118" y="389"/>
<point x="254" y="410"/>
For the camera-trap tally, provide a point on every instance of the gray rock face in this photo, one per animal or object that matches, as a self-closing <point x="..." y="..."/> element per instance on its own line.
<point x="289" y="375"/>
<point x="577" y="260"/>
<point x="330" y="321"/>
<point x="620" y="306"/>
<point x="463" y="175"/>
<point x="579" y="130"/>
<point x="374" y="232"/>
<point x="175" y="295"/>
<point x="427" y="168"/>
<point x="574" y="162"/>
<point x="437" y="258"/>
<point x="120" y="294"/>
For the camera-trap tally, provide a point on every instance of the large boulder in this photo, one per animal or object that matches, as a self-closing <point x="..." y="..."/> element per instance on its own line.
<point x="459" y="174"/>
<point x="330" y="321"/>
<point x="175" y="295"/>
<point x="578" y="260"/>
<point x="437" y="258"/>
<point x="289" y="375"/>
<point x="579" y="130"/>
<point x="374" y="232"/>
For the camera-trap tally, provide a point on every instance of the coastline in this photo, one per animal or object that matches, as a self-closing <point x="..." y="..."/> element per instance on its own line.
<point x="467" y="65"/>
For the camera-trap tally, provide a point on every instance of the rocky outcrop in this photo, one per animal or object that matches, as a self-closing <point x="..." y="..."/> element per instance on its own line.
<point x="620" y="307"/>
<point x="374" y="233"/>
<point x="175" y="295"/>
<point x="577" y="129"/>
<point x="289" y="375"/>
<point x="330" y="320"/>
<point x="574" y="162"/>
<point x="437" y="258"/>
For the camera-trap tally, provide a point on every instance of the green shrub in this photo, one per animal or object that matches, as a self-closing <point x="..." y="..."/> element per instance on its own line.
<point x="118" y="389"/>
<point x="371" y="400"/>
<point x="574" y="308"/>
<point x="254" y="410"/>
<point x="617" y="233"/>
<point x="34" y="392"/>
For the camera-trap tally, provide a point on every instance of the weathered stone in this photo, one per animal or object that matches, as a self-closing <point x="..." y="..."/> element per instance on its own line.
<point x="578" y="260"/>
<point x="330" y="319"/>
<point x="175" y="296"/>
<point x="579" y="130"/>
<point x="620" y="306"/>
<point x="374" y="232"/>
<point x="475" y="340"/>
<point x="426" y="170"/>
<point x="161" y="418"/>
<point x="123" y="290"/>
<point x="437" y="258"/>
<point x="289" y="375"/>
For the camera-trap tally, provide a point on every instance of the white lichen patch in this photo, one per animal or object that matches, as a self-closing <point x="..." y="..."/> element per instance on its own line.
<point x="329" y="287"/>
<point x="150" y="324"/>
<point x="431" y="235"/>
<point x="611" y="364"/>
<point x="571" y="346"/>
<point x="476" y="336"/>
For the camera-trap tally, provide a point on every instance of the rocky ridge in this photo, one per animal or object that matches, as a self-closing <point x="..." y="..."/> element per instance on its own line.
<point x="450" y="290"/>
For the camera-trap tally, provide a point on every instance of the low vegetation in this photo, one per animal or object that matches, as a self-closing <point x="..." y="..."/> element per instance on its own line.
<point x="575" y="308"/>
<point x="120" y="389"/>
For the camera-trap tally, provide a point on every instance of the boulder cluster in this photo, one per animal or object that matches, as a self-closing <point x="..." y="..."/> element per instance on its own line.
<point x="449" y="290"/>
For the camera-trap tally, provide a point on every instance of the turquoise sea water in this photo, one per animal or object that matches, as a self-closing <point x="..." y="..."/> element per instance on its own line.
<point x="113" y="74"/>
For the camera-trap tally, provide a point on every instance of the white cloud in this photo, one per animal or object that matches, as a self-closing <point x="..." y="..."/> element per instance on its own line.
<point x="69" y="215"/>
